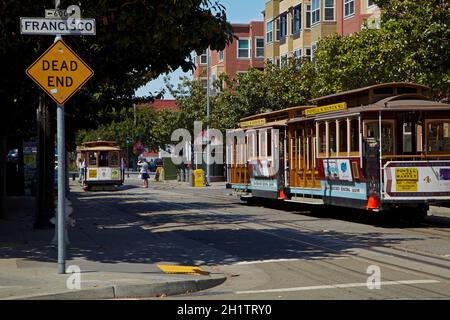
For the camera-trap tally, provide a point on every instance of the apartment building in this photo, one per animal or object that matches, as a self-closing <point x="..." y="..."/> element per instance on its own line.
<point x="293" y="27"/>
<point x="242" y="54"/>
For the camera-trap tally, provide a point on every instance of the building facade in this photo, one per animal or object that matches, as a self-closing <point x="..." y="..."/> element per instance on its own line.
<point x="242" y="54"/>
<point x="293" y="27"/>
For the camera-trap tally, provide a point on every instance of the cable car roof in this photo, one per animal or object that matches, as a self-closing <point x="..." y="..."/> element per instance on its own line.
<point x="366" y="91"/>
<point x="100" y="145"/>
<point x="404" y="102"/>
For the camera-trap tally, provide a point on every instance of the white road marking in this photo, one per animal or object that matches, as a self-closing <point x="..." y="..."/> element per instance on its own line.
<point x="286" y="260"/>
<point x="338" y="286"/>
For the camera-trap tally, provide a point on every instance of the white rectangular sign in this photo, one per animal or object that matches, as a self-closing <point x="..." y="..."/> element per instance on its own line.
<point x="417" y="180"/>
<point x="56" y="13"/>
<point x="43" y="26"/>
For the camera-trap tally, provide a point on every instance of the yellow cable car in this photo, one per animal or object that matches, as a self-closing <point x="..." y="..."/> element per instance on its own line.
<point x="102" y="164"/>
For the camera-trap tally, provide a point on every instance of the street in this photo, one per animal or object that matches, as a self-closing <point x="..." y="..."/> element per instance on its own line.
<point x="274" y="253"/>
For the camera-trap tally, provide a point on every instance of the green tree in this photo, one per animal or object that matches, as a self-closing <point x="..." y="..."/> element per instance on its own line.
<point x="412" y="45"/>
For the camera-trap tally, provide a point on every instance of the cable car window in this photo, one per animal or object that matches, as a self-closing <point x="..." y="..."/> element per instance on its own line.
<point x="103" y="161"/>
<point x="322" y="138"/>
<point x="387" y="135"/>
<point x="114" y="159"/>
<point x="332" y="136"/>
<point x="92" y="158"/>
<point x="438" y="136"/>
<point x="343" y="136"/>
<point x="269" y="143"/>
<point x="354" y="135"/>
<point x="407" y="137"/>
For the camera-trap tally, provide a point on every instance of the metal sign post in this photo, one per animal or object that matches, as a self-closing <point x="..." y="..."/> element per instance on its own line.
<point x="60" y="73"/>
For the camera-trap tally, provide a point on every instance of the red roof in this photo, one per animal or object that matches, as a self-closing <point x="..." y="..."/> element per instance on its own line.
<point x="160" y="104"/>
<point x="150" y="154"/>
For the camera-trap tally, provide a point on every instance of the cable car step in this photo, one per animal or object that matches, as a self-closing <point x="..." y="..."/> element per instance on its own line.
<point x="306" y="200"/>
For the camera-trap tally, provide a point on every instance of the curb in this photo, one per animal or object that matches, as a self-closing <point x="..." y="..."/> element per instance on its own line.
<point x="134" y="290"/>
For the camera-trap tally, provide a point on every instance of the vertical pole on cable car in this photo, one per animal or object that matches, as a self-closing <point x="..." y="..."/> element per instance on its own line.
<point x="208" y="112"/>
<point x="381" y="153"/>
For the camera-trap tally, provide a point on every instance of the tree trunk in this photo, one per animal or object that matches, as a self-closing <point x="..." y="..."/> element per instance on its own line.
<point x="45" y="196"/>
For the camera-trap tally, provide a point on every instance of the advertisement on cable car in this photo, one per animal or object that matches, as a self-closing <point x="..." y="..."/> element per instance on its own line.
<point x="425" y="180"/>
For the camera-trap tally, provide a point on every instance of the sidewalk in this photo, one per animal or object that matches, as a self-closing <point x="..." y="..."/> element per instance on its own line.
<point x="117" y="258"/>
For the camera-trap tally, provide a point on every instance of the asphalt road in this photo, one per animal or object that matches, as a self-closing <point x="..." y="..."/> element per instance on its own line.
<point x="297" y="252"/>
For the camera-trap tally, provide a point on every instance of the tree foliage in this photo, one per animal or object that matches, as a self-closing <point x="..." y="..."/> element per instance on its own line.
<point x="412" y="45"/>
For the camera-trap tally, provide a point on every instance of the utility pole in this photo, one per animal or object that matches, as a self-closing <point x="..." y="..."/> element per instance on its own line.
<point x="208" y="117"/>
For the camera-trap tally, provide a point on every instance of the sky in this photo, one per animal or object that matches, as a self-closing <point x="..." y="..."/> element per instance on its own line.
<point x="238" y="11"/>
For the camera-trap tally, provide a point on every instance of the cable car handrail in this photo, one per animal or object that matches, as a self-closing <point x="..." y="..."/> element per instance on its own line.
<point x="412" y="156"/>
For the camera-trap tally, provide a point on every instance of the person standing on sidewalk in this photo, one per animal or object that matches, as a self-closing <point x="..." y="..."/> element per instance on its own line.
<point x="144" y="171"/>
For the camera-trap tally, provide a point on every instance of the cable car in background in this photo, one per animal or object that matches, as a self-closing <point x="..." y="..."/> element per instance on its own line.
<point x="103" y="164"/>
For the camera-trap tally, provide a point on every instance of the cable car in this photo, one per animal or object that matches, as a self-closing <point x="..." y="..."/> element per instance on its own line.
<point x="379" y="148"/>
<point x="103" y="164"/>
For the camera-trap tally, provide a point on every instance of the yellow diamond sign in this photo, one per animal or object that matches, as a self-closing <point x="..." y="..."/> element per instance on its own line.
<point x="60" y="72"/>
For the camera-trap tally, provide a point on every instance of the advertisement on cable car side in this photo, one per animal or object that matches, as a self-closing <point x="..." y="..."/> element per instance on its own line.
<point x="418" y="180"/>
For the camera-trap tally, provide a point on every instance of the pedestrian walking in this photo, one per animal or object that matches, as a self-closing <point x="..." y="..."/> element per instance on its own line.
<point x="81" y="169"/>
<point x="143" y="171"/>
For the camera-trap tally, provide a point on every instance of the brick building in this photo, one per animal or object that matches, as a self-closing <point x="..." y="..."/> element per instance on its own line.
<point x="242" y="54"/>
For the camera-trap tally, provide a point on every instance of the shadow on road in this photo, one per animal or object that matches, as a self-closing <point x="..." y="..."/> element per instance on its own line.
<point x="139" y="228"/>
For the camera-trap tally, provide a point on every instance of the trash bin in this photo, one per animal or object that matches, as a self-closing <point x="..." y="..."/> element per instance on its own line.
<point x="198" y="178"/>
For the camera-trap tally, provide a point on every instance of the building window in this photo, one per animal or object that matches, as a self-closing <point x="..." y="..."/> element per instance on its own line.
<point x="244" y="48"/>
<point x="277" y="29"/>
<point x="315" y="13"/>
<point x="329" y="10"/>
<point x="308" y="16"/>
<point x="283" y="25"/>
<point x="269" y="34"/>
<point x="203" y="58"/>
<point x="221" y="55"/>
<point x="370" y="3"/>
<point x="259" y="52"/>
<point x="297" y="19"/>
<point x="349" y="8"/>
<point x="308" y="53"/>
